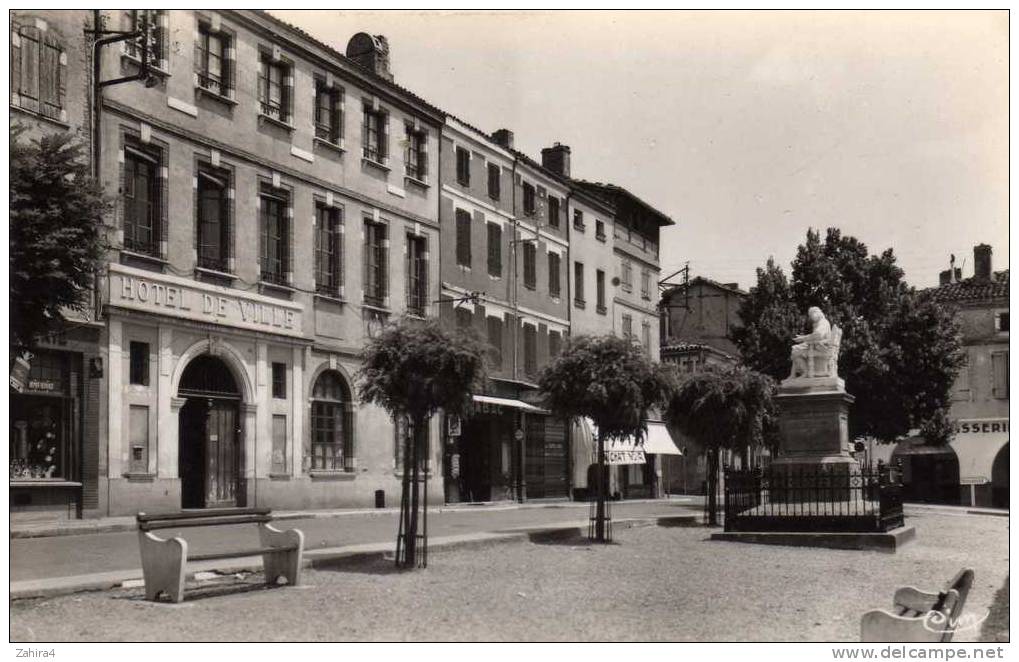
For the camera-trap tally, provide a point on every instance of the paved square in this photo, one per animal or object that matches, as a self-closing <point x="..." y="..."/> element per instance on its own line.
<point x="658" y="584"/>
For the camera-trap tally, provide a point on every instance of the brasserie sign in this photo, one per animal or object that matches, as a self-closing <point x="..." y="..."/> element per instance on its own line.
<point x="136" y="289"/>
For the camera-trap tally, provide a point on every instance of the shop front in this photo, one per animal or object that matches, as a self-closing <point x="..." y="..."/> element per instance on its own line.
<point x="505" y="449"/>
<point x="46" y="431"/>
<point x="633" y="468"/>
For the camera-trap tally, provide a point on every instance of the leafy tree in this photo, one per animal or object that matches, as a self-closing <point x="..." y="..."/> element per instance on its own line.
<point x="414" y="369"/>
<point x="725" y="410"/>
<point x="900" y="350"/>
<point x="56" y="236"/>
<point x="611" y="381"/>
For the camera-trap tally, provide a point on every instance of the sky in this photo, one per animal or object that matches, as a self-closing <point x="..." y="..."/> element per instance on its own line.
<point x="746" y="128"/>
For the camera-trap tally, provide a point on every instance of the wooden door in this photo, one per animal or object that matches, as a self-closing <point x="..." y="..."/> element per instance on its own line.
<point x="221" y="455"/>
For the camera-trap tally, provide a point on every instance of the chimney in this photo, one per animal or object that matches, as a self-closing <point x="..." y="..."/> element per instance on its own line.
<point x="557" y="159"/>
<point x="982" y="262"/>
<point x="371" y="53"/>
<point x="503" y="137"/>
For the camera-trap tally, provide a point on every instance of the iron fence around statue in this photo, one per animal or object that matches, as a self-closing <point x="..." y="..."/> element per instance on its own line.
<point x="806" y="499"/>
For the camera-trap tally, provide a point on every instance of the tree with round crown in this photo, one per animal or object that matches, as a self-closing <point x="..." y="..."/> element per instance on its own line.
<point x="415" y="369"/>
<point x="611" y="381"/>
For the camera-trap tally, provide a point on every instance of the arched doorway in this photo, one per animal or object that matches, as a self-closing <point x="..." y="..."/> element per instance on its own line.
<point x="999" y="479"/>
<point x="210" y="435"/>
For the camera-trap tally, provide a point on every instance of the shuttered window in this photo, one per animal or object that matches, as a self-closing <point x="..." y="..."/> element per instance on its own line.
<point x="328" y="250"/>
<point x="38" y="71"/>
<point x="528" y="199"/>
<point x="495" y="342"/>
<point x="141" y="201"/>
<point x="151" y="21"/>
<point x="599" y="283"/>
<point x="463" y="238"/>
<point x="212" y="67"/>
<point x="553" y="274"/>
<point x="553" y="211"/>
<point x="328" y="112"/>
<point x="275" y="240"/>
<point x="415" y="158"/>
<point x="375" y="263"/>
<point x="213" y="219"/>
<point x="999" y="363"/>
<point x="464" y="318"/>
<point x="274" y="93"/>
<point x="555" y="341"/>
<point x="417" y="275"/>
<point x="530" y="268"/>
<point x="494" y="185"/>
<point x="530" y="350"/>
<point x="578" y="283"/>
<point x="627" y="326"/>
<point x="373" y="135"/>
<point x="463" y="166"/>
<point x="495" y="250"/>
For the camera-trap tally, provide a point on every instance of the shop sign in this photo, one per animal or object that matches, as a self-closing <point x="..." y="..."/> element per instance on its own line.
<point x="995" y="426"/>
<point x="629" y="456"/>
<point x="136" y="289"/>
<point x="43" y="385"/>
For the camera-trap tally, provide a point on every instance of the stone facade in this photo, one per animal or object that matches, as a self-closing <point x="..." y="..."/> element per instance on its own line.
<point x="277" y="318"/>
<point x="277" y="202"/>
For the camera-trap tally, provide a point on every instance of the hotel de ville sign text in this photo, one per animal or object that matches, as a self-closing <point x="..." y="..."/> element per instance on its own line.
<point x="142" y="290"/>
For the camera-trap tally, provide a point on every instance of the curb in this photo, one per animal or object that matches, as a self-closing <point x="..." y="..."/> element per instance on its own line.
<point x="86" y="527"/>
<point x="331" y="557"/>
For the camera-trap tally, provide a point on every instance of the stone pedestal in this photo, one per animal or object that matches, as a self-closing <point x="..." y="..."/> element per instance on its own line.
<point x="814" y="463"/>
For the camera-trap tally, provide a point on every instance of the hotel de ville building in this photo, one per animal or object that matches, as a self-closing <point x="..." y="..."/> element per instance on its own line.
<point x="276" y="203"/>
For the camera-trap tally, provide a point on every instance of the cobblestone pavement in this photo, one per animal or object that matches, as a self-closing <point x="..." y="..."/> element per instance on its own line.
<point x="38" y="558"/>
<point x="664" y="584"/>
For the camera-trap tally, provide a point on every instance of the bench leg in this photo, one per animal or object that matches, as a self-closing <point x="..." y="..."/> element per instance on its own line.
<point x="163" y="565"/>
<point x="282" y="564"/>
<point x="879" y="626"/>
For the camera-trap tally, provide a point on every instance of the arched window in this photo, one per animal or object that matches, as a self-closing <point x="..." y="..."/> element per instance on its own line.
<point x="332" y="447"/>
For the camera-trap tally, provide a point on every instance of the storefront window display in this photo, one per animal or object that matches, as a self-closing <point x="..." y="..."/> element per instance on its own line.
<point x="39" y="429"/>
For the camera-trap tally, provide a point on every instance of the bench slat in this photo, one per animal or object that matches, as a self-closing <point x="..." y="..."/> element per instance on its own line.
<point x="208" y="512"/>
<point x="211" y="521"/>
<point x="239" y="554"/>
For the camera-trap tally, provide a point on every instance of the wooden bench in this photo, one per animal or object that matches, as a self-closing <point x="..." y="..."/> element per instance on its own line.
<point x="164" y="560"/>
<point x="919" y="616"/>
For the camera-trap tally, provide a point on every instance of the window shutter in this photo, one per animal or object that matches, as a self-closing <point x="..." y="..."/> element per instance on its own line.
<point x="383" y="135"/>
<point x="383" y="264"/>
<point x="15" y="61"/>
<point x="263" y="235"/>
<point x="494" y="249"/>
<point x="364" y="131"/>
<point x="1000" y="369"/>
<point x="200" y="40"/>
<point x="340" y="258"/>
<point x="423" y="274"/>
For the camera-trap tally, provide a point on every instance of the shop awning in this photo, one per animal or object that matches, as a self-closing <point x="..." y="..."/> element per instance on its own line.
<point x="659" y="441"/>
<point x="509" y="402"/>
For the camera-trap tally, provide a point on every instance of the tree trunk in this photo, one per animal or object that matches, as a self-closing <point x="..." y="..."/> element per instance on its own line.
<point x="415" y="494"/>
<point x="599" y="517"/>
<point x="712" y="487"/>
<point x="407" y="558"/>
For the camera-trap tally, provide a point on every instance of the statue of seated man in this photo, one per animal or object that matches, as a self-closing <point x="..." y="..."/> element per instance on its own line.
<point x="821" y="343"/>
